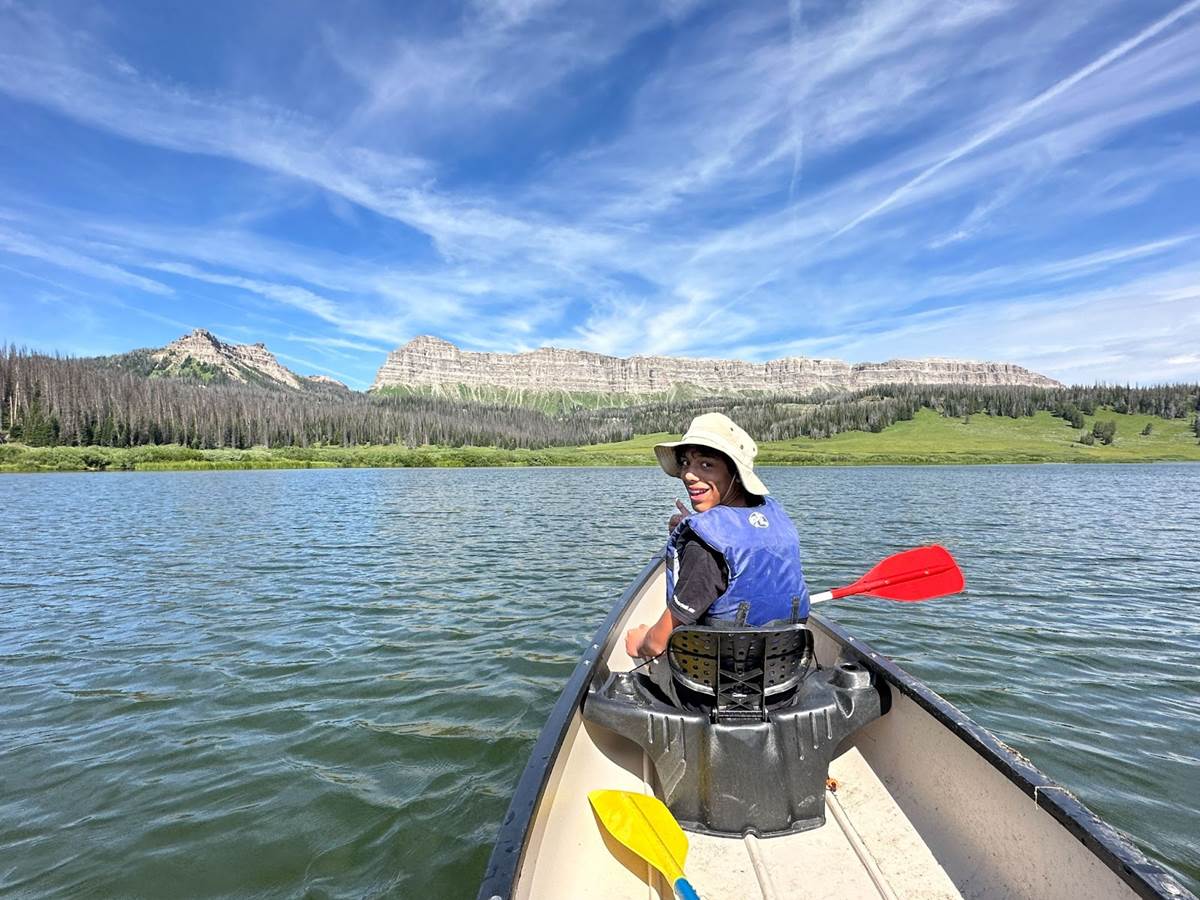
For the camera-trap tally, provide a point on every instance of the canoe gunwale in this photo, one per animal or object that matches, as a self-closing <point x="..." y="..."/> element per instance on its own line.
<point x="1146" y="878"/>
<point x="499" y="878"/>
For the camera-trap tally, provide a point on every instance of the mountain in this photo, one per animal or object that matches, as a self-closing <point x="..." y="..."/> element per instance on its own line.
<point x="576" y="377"/>
<point x="324" y="382"/>
<point x="432" y="363"/>
<point x="202" y="356"/>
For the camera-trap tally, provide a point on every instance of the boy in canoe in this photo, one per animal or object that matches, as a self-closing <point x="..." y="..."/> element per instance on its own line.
<point x="735" y="558"/>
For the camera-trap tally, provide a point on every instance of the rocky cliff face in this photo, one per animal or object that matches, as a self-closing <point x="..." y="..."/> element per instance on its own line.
<point x="201" y="354"/>
<point x="239" y="362"/>
<point x="431" y="361"/>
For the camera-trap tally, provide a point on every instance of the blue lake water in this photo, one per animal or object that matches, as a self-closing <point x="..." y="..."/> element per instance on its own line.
<point x="326" y="682"/>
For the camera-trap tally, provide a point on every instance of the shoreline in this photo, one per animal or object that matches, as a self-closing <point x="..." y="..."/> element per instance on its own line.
<point x="880" y="464"/>
<point x="487" y="461"/>
<point x="927" y="439"/>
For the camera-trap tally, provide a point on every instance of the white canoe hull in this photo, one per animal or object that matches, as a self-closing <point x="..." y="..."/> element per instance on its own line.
<point x="928" y="805"/>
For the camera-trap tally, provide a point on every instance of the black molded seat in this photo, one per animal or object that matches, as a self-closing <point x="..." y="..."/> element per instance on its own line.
<point x="740" y="725"/>
<point x="739" y="667"/>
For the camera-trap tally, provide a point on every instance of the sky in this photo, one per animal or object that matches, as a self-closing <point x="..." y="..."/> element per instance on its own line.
<point x="975" y="179"/>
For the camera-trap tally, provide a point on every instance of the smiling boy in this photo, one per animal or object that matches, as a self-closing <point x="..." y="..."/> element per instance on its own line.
<point x="736" y="556"/>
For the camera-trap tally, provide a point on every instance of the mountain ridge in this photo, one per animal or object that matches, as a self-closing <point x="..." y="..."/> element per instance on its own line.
<point x="202" y="356"/>
<point x="433" y="362"/>
<point x="428" y="364"/>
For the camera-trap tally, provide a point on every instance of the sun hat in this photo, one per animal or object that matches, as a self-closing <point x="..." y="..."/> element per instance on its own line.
<point x="717" y="432"/>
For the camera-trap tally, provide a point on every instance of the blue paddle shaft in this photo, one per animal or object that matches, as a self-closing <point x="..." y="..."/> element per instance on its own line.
<point x="684" y="890"/>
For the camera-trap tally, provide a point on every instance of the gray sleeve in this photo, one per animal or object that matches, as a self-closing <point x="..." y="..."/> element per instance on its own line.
<point x="702" y="579"/>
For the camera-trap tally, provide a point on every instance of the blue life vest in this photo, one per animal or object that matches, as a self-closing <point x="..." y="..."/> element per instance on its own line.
<point x="762" y="553"/>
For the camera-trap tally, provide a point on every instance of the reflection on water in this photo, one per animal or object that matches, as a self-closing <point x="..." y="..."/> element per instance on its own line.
<point x="327" y="682"/>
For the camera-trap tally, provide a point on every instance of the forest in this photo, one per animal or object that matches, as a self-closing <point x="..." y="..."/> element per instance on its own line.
<point x="50" y="400"/>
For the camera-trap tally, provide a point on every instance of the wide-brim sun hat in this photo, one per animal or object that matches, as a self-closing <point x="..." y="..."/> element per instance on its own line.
<point x="716" y="432"/>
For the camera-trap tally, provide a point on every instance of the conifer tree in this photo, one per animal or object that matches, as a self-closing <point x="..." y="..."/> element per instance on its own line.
<point x="1105" y="431"/>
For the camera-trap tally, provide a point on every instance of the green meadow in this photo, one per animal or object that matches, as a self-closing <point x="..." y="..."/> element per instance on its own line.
<point x="927" y="439"/>
<point x="931" y="439"/>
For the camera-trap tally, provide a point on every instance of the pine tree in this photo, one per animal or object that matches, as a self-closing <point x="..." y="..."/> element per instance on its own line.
<point x="1105" y="432"/>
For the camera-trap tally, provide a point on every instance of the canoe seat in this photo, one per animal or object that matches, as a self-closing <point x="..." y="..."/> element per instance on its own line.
<point x="740" y="725"/>
<point x="738" y="671"/>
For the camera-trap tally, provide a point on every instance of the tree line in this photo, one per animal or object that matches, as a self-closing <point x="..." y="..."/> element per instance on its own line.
<point x="822" y="414"/>
<point x="48" y="400"/>
<point x="51" y="400"/>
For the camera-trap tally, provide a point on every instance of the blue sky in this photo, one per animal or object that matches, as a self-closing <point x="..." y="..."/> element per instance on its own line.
<point x="1013" y="181"/>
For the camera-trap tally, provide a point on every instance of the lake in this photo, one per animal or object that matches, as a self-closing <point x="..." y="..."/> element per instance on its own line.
<point x="326" y="682"/>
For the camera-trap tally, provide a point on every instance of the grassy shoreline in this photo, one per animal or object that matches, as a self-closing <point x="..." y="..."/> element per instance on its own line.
<point x="928" y="439"/>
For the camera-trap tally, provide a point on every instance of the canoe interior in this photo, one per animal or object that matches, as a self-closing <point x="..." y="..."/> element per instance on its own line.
<point x="928" y="805"/>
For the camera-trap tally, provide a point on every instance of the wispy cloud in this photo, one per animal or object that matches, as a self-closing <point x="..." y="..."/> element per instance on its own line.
<point x="319" y="368"/>
<point x="1119" y="332"/>
<point x="339" y="343"/>
<point x="61" y="257"/>
<point x="1022" y="112"/>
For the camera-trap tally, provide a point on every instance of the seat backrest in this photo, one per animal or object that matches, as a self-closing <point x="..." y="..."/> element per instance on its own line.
<point x="738" y="667"/>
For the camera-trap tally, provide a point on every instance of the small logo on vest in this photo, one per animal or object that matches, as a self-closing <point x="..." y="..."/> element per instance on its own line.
<point x="758" y="520"/>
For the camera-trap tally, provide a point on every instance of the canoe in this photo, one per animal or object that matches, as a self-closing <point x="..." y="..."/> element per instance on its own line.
<point x="926" y="803"/>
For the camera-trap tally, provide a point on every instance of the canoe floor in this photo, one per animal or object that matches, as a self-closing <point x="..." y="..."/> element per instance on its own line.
<point x="867" y="848"/>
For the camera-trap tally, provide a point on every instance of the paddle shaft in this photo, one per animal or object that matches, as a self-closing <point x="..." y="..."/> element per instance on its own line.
<point x="866" y="587"/>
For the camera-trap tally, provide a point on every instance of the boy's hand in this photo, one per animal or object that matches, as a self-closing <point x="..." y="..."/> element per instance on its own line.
<point x="634" y="638"/>
<point x="674" y="521"/>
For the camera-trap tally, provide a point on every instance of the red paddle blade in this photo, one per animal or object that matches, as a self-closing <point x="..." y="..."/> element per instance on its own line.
<point x="919" y="574"/>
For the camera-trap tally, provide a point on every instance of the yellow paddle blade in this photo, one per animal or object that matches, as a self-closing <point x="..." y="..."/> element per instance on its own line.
<point x="645" y="826"/>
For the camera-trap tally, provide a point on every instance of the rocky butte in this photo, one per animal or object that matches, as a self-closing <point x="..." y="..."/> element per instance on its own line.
<point x="239" y="362"/>
<point x="430" y="361"/>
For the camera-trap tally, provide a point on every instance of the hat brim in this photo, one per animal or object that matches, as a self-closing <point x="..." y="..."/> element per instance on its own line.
<point x="666" y="458"/>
